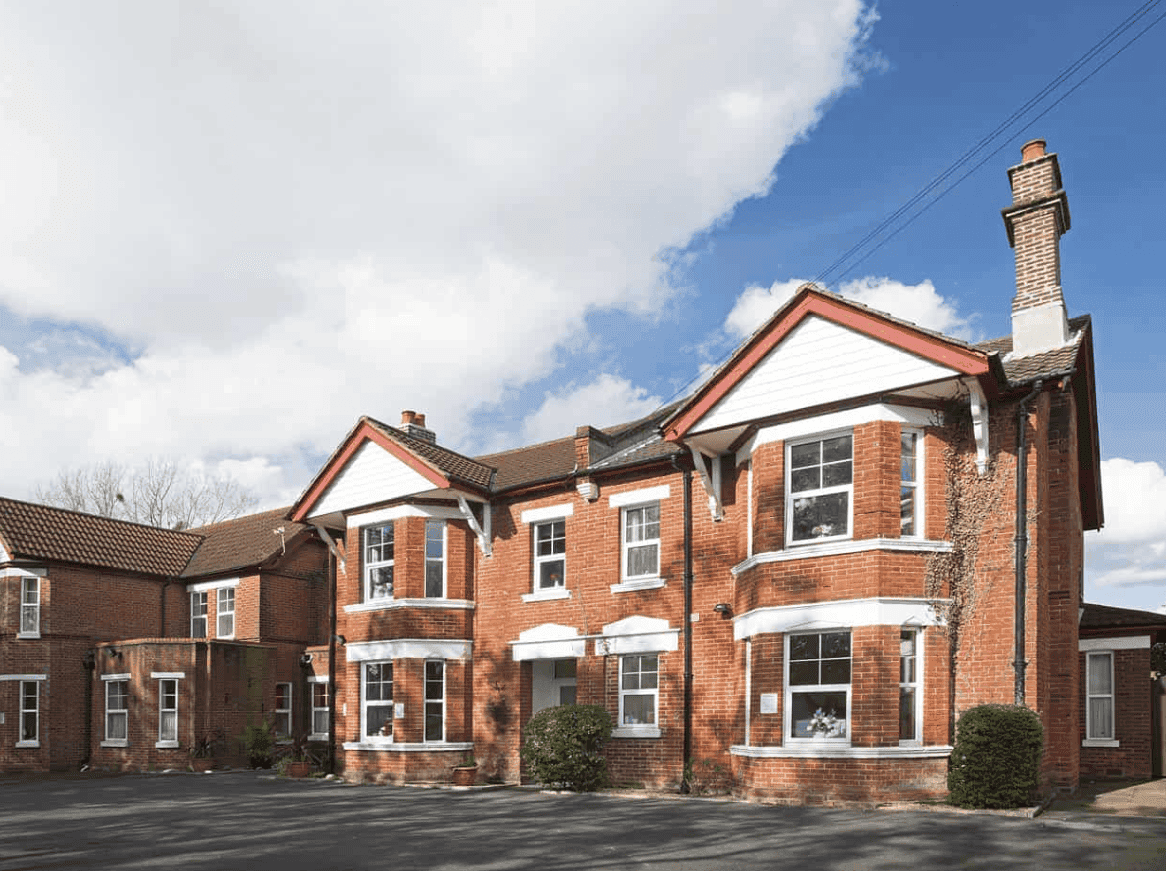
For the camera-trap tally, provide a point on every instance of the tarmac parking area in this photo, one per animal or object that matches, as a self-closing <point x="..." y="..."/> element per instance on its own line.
<point x="253" y="821"/>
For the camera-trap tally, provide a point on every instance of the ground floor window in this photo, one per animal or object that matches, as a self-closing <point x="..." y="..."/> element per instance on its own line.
<point x="283" y="709"/>
<point x="168" y="710"/>
<point x="639" y="689"/>
<point x="320" y="705"/>
<point x="1099" y="695"/>
<point x="377" y="700"/>
<point x="29" y="711"/>
<point x="435" y="700"/>
<point x="117" y="699"/>
<point x="818" y="685"/>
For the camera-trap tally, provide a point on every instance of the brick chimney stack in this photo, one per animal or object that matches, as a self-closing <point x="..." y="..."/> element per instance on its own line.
<point x="413" y="424"/>
<point x="1039" y="214"/>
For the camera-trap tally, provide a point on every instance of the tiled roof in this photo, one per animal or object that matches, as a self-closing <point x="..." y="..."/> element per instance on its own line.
<point x="241" y="543"/>
<point x="39" y="532"/>
<point x="532" y="464"/>
<point x="1024" y="370"/>
<point x="1108" y="617"/>
<point x="453" y="465"/>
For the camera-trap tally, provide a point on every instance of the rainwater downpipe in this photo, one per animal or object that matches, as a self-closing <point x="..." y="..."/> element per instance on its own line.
<point x="331" y="569"/>
<point x="685" y="787"/>
<point x="1019" y="663"/>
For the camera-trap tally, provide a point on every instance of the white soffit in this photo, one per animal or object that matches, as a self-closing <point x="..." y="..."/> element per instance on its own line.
<point x="371" y="475"/>
<point x="820" y="362"/>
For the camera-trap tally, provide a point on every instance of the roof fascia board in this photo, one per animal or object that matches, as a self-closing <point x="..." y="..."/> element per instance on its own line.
<point x="963" y="360"/>
<point x="364" y="432"/>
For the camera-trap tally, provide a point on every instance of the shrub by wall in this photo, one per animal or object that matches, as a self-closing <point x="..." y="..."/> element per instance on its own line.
<point x="996" y="759"/>
<point x="562" y="746"/>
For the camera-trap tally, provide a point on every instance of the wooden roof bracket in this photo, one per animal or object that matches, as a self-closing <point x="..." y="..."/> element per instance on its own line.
<point x="482" y="534"/>
<point x="332" y="547"/>
<point x="979" y="407"/>
<point x="710" y="481"/>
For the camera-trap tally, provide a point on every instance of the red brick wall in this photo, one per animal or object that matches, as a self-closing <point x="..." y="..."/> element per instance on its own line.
<point x="1132" y="720"/>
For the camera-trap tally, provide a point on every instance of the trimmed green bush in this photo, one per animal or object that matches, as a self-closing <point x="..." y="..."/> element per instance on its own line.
<point x="562" y="746"/>
<point x="996" y="759"/>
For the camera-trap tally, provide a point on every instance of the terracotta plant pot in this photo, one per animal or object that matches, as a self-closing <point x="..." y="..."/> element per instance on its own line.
<point x="299" y="769"/>
<point x="202" y="763"/>
<point x="465" y="775"/>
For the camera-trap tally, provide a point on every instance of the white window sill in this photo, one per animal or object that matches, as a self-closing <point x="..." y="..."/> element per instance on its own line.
<point x="547" y="595"/>
<point x="27" y="745"/>
<point x="388" y="747"/>
<point x="27" y="636"/>
<point x="634" y="584"/>
<point x="838" y="750"/>
<point x="318" y="736"/>
<point x="1100" y="742"/>
<point x="388" y="604"/>
<point x="116" y="742"/>
<point x="844" y="546"/>
<point x="636" y="732"/>
<point x="166" y="745"/>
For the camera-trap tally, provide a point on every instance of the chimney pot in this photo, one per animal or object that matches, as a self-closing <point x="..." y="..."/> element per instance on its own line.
<point x="407" y="417"/>
<point x="1032" y="150"/>
<point x="419" y="419"/>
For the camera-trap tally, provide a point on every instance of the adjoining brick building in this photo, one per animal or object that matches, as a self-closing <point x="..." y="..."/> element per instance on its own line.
<point x="797" y="577"/>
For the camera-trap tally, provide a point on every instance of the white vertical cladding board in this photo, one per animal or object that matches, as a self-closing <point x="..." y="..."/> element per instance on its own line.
<point x="819" y="362"/>
<point x="372" y="474"/>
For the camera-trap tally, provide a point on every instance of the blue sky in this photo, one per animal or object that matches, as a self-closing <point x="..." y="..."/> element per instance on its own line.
<point x="231" y="232"/>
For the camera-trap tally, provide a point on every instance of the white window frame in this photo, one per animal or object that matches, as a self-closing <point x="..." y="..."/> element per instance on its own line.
<point x="1091" y="727"/>
<point x="915" y="486"/>
<point x="791" y="497"/>
<point x="25" y="711"/>
<point x="283" y="713"/>
<point x="199" y="610"/>
<point x="790" y="691"/>
<point x="120" y="715"/>
<point x="553" y="557"/>
<point x="435" y="561"/>
<point x="29" y="607"/>
<point x="316" y="684"/>
<point x="625" y="546"/>
<point x="912" y="681"/>
<point x="639" y="691"/>
<point x="167" y="732"/>
<point x="225" y="596"/>
<point x="365" y="703"/>
<point x="369" y="565"/>
<point x="434" y="703"/>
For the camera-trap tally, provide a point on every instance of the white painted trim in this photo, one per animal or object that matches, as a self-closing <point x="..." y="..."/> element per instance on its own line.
<point x="1100" y="742"/>
<point x="841" y="614"/>
<point x="636" y="732"/>
<point x="409" y="748"/>
<point x="648" y="583"/>
<point x="408" y="648"/>
<point x="1126" y="642"/>
<point x="710" y="480"/>
<point x="27" y="745"/>
<point x="333" y="548"/>
<point x="548" y="595"/>
<point x="167" y="745"/>
<point x="825" y="749"/>
<point x="23" y="677"/>
<point x="318" y="678"/>
<point x="562" y="648"/>
<point x="483" y="535"/>
<point x="636" y="497"/>
<point x="124" y="676"/>
<point x="115" y="742"/>
<point x="168" y="675"/>
<point x="27" y="636"/>
<point x="749" y="519"/>
<point x="548" y="512"/>
<point x="23" y="573"/>
<point x="978" y="403"/>
<point x="389" y="604"/>
<point x="396" y="512"/>
<point x="841" y="548"/>
<point x="206" y="586"/>
<point x="646" y="642"/>
<point x="841" y="420"/>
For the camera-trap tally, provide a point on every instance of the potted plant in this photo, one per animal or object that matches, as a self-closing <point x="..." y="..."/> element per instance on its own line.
<point x="297" y="762"/>
<point x="202" y="752"/>
<point x="466" y="771"/>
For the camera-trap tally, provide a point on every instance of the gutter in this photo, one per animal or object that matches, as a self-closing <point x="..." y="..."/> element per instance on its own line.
<point x="1019" y="663"/>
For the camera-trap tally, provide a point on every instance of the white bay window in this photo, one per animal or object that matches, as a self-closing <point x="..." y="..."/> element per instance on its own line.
<point x="817" y="685"/>
<point x="819" y="489"/>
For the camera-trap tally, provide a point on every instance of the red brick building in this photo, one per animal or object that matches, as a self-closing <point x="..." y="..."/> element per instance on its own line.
<point x="795" y="579"/>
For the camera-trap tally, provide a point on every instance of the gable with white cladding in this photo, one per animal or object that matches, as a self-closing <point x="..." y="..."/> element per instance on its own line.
<point x="372" y="474"/>
<point x="817" y="363"/>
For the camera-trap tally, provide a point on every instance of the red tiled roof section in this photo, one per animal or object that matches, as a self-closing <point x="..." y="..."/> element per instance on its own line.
<point x="241" y="543"/>
<point x="1058" y="361"/>
<point x="529" y="465"/>
<point x="39" y="532"/>
<point x="452" y="464"/>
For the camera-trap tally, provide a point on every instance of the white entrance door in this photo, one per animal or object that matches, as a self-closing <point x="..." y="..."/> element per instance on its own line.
<point x="553" y="684"/>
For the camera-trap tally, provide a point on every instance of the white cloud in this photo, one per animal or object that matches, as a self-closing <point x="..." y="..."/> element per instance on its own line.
<point x="609" y="399"/>
<point x="919" y="303"/>
<point x="1131" y="549"/>
<point x="293" y="217"/>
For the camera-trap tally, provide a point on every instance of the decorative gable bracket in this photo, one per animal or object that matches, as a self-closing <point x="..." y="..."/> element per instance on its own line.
<point x="332" y="547"/>
<point x="482" y="534"/>
<point x="979" y="407"/>
<point x="710" y="480"/>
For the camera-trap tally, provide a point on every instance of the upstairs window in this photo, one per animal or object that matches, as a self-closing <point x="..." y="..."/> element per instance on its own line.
<point x="378" y="562"/>
<point x="818" y="685"/>
<point x="225" y="615"/>
<point x="910" y="523"/>
<point x="198" y="611"/>
<point x="641" y="541"/>
<point x="819" y="487"/>
<point x="30" y="607"/>
<point x="550" y="555"/>
<point x="435" y="559"/>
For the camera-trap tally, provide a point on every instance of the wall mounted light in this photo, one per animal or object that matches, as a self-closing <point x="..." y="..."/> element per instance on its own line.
<point x="724" y="609"/>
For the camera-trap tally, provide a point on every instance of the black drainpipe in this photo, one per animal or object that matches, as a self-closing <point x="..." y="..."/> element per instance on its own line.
<point x="89" y="661"/>
<point x="1019" y="663"/>
<point x="331" y="569"/>
<point x="685" y="787"/>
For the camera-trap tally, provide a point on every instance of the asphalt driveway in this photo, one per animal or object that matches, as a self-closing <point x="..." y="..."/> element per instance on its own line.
<point x="249" y="821"/>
